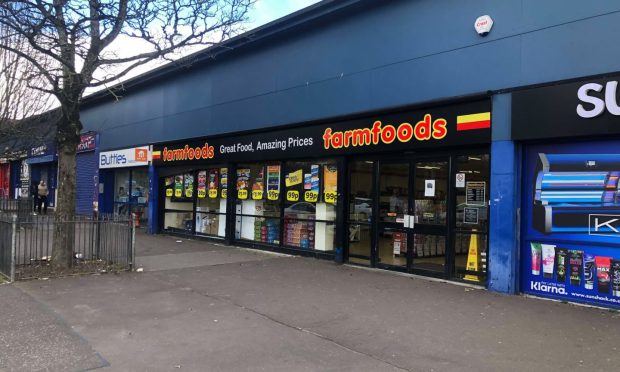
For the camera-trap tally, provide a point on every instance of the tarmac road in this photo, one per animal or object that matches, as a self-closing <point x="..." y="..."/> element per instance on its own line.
<point x="205" y="307"/>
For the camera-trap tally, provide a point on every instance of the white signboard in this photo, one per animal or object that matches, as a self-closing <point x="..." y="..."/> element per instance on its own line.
<point x="460" y="180"/>
<point x="133" y="157"/>
<point x="429" y="188"/>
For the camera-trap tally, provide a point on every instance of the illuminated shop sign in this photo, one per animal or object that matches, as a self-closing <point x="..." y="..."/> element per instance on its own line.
<point x="585" y="108"/>
<point x="453" y="125"/>
<point x="133" y="157"/>
<point x="87" y="142"/>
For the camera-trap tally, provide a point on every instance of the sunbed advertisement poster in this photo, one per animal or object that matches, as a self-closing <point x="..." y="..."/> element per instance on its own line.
<point x="571" y="227"/>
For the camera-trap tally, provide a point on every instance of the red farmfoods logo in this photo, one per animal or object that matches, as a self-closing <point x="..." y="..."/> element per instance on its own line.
<point x="379" y="133"/>
<point x="185" y="153"/>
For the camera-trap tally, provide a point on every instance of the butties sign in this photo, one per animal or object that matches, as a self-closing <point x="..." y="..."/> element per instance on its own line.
<point x="585" y="108"/>
<point x="453" y="125"/>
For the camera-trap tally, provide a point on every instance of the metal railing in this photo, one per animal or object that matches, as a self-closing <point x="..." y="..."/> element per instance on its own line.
<point x="101" y="244"/>
<point x="22" y="207"/>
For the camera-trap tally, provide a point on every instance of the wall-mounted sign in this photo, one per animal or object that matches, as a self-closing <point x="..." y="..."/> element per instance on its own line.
<point x="133" y="157"/>
<point x="88" y="142"/>
<point x="585" y="108"/>
<point x="449" y="125"/>
<point x="42" y="150"/>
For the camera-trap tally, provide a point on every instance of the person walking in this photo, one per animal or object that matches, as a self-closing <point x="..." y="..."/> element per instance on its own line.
<point x="42" y="193"/>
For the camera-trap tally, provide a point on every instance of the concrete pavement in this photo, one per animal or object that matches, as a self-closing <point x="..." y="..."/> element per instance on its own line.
<point x="215" y="308"/>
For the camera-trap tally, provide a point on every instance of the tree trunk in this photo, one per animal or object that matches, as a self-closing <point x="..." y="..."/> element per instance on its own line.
<point x="68" y="135"/>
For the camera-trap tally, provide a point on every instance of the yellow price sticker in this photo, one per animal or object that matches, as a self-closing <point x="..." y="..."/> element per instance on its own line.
<point x="311" y="196"/>
<point x="213" y="193"/>
<point x="169" y="192"/>
<point x="292" y="195"/>
<point x="224" y="193"/>
<point x="330" y="197"/>
<point x="257" y="194"/>
<point x="178" y="193"/>
<point x="242" y="194"/>
<point x="188" y="193"/>
<point x="202" y="194"/>
<point x="273" y="195"/>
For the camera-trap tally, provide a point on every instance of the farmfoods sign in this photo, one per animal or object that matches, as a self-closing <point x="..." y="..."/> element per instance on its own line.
<point x="451" y="125"/>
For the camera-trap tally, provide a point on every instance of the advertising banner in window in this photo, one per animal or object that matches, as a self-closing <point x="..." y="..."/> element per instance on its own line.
<point x="571" y="211"/>
<point x="451" y="125"/>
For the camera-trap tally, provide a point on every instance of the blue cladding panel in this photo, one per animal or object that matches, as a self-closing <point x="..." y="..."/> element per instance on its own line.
<point x="394" y="53"/>
<point x="503" y="232"/>
<point x="153" y="200"/>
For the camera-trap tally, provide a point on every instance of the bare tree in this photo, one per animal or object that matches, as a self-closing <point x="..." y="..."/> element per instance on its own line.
<point x="20" y="94"/>
<point x="78" y="36"/>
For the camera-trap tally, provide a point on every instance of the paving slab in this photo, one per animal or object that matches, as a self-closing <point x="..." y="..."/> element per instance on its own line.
<point x="34" y="338"/>
<point x="230" y="309"/>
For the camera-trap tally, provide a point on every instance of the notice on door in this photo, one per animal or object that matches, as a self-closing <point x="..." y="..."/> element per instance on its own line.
<point x="460" y="180"/>
<point x="475" y="193"/>
<point x="470" y="215"/>
<point x="429" y="188"/>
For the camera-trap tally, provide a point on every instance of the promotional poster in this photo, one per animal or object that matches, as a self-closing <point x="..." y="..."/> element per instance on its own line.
<point x="571" y="209"/>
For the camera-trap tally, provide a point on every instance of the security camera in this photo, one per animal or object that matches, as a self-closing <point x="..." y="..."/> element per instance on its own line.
<point x="483" y="25"/>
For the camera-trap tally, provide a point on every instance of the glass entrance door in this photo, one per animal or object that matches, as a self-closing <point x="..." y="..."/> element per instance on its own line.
<point x="426" y="215"/>
<point x="393" y="240"/>
<point x="430" y="216"/>
<point x="412" y="218"/>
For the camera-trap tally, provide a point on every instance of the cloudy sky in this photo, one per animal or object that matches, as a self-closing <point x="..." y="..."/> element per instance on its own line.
<point x="268" y="10"/>
<point x="264" y="12"/>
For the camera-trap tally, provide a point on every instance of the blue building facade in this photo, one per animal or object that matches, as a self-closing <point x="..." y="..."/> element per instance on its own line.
<point x="350" y="64"/>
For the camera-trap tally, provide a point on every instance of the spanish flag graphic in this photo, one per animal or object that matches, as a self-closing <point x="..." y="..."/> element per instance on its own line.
<point x="473" y="121"/>
<point x="156" y="155"/>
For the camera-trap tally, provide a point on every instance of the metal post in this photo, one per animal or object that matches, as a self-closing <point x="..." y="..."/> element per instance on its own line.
<point x="133" y="248"/>
<point x="13" y="243"/>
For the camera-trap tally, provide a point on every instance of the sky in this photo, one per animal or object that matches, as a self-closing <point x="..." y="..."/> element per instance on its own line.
<point x="268" y="10"/>
<point x="264" y="11"/>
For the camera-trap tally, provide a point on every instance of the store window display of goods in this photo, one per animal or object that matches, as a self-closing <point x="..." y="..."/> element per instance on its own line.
<point x="310" y="205"/>
<point x="258" y="203"/>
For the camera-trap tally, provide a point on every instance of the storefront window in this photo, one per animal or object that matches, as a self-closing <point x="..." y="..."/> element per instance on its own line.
<point x="258" y="203"/>
<point x="139" y="193"/>
<point x="360" y="211"/>
<point x="179" y="204"/>
<point x="310" y="205"/>
<point x="211" y="193"/>
<point x="121" y="192"/>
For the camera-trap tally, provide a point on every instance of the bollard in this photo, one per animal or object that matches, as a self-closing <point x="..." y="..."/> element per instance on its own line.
<point x="339" y="256"/>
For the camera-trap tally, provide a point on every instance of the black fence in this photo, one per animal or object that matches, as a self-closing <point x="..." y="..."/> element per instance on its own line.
<point x="100" y="244"/>
<point x="22" y="207"/>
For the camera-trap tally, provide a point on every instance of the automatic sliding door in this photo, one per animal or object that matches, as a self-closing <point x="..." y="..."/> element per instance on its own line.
<point x="393" y="240"/>
<point x="430" y="199"/>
